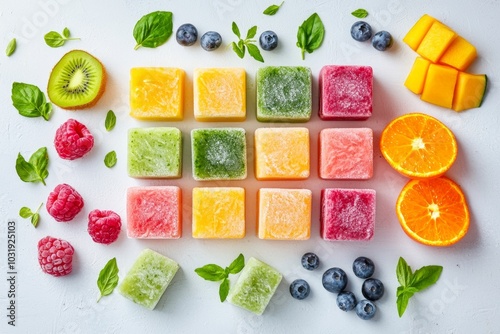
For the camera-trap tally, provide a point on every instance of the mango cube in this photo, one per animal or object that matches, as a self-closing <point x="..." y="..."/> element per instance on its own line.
<point x="439" y="87"/>
<point x="219" y="94"/>
<point x="219" y="154"/>
<point x="417" y="33"/>
<point x="284" y="94"/>
<point x="219" y="213"/>
<point x="284" y="214"/>
<point x="470" y="90"/>
<point x="156" y="93"/>
<point x="460" y="54"/>
<point x="148" y="278"/>
<point x="418" y="73"/>
<point x="282" y="153"/>
<point x="255" y="287"/>
<point x="436" y="41"/>
<point x="155" y="152"/>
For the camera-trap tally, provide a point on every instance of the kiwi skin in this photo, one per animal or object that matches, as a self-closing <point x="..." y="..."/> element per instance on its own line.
<point x="99" y="93"/>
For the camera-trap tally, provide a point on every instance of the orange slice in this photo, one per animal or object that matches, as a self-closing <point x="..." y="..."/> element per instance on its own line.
<point x="433" y="212"/>
<point x="418" y="146"/>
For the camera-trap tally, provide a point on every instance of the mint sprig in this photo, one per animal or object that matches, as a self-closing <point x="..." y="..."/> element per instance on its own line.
<point x="34" y="170"/>
<point x="26" y="213"/>
<point x="248" y="43"/>
<point x="215" y="273"/>
<point x="30" y="101"/>
<point x="412" y="282"/>
<point x="55" y="39"/>
<point x="273" y="9"/>
<point x="108" y="278"/>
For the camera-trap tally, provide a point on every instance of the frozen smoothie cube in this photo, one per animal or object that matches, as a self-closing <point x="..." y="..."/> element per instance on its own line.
<point x="148" y="278"/>
<point x="219" y="154"/>
<point x="284" y="214"/>
<point x="347" y="214"/>
<point x="155" y="152"/>
<point x="282" y="153"/>
<point x="256" y="285"/>
<point x="219" y="213"/>
<point x="156" y="93"/>
<point x="284" y="94"/>
<point x="154" y="212"/>
<point x="345" y="92"/>
<point x="219" y="94"/>
<point x="346" y="153"/>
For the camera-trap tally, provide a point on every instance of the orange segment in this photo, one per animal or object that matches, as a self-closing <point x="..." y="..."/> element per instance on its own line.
<point x="433" y="212"/>
<point x="418" y="146"/>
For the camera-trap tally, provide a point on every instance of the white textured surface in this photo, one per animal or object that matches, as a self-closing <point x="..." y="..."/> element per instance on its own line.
<point x="465" y="300"/>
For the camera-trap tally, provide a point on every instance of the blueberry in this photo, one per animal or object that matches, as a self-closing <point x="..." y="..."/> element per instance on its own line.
<point x="211" y="40"/>
<point x="365" y="309"/>
<point x="268" y="40"/>
<point x="361" y="31"/>
<point x="382" y="40"/>
<point x="372" y="289"/>
<point x="346" y="301"/>
<point x="334" y="279"/>
<point x="299" y="289"/>
<point x="186" y="34"/>
<point x="310" y="261"/>
<point x="363" y="267"/>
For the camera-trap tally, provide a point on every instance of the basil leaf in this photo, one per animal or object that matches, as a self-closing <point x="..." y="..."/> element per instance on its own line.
<point x="224" y="290"/>
<point x="425" y="277"/>
<point x="153" y="29"/>
<point x="35" y="219"/>
<point x="237" y="265"/>
<point x="360" y="13"/>
<point x="25" y="212"/>
<point x="30" y="101"/>
<point x="54" y="39"/>
<point x="402" y="302"/>
<point x="40" y="161"/>
<point x="211" y="272"/>
<point x="239" y="52"/>
<point x="110" y="159"/>
<point x="108" y="278"/>
<point x="253" y="50"/>
<point x="110" y="121"/>
<point x="25" y="170"/>
<point x="11" y="47"/>
<point x="273" y="9"/>
<point x="403" y="272"/>
<point x="66" y="32"/>
<point x="235" y="29"/>
<point x="251" y="32"/>
<point x="310" y="34"/>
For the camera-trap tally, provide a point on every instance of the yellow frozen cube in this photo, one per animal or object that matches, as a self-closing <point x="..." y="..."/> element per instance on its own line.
<point x="219" y="94"/>
<point x="218" y="213"/>
<point x="157" y="93"/>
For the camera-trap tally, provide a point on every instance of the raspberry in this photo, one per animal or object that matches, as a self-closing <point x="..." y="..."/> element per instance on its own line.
<point x="73" y="140"/>
<point x="55" y="256"/>
<point x="64" y="203"/>
<point x="104" y="226"/>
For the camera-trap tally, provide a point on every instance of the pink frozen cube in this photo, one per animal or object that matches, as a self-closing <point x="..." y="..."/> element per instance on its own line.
<point x="347" y="214"/>
<point x="346" y="154"/>
<point x="154" y="212"/>
<point x="345" y="92"/>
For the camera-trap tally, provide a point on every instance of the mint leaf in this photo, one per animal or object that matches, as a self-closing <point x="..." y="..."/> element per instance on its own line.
<point x="425" y="277"/>
<point x="35" y="219"/>
<point x="310" y="34"/>
<point x="108" y="278"/>
<point x="40" y="160"/>
<point x="25" y="212"/>
<point x="235" y="29"/>
<point x="403" y="272"/>
<point x="402" y="302"/>
<point x="110" y="121"/>
<point x="11" y="47"/>
<point x="153" y="29"/>
<point x="211" y="272"/>
<point x="36" y="169"/>
<point x="248" y="43"/>
<point x="66" y="32"/>
<point x="30" y="101"/>
<point x="237" y="265"/>
<point x="251" y="32"/>
<point x="224" y="290"/>
<point x="273" y="9"/>
<point x="110" y="159"/>
<point x="253" y="51"/>
<point x="360" y="13"/>
<point x="239" y="51"/>
<point x="55" y="39"/>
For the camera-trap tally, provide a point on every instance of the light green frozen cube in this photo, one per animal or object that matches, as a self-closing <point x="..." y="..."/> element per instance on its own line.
<point x="155" y="152"/>
<point x="256" y="285"/>
<point x="148" y="278"/>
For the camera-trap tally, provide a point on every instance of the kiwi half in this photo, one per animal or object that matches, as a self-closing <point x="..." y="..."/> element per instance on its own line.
<point x="77" y="81"/>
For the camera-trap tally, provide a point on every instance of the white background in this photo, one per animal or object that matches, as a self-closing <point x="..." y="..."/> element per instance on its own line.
<point x="464" y="300"/>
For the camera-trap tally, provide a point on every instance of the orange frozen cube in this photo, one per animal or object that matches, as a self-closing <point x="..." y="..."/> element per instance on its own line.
<point x="156" y="93"/>
<point x="284" y="214"/>
<point x="219" y="94"/>
<point x="219" y="213"/>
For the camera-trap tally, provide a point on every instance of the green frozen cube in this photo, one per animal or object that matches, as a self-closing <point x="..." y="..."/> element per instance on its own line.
<point x="284" y="94"/>
<point x="256" y="285"/>
<point x="148" y="278"/>
<point x="155" y="152"/>
<point x="219" y="154"/>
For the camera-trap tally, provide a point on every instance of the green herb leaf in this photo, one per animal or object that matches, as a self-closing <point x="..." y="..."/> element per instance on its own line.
<point x="237" y="50"/>
<point x="310" y="34"/>
<point x="402" y="302"/>
<point x="66" y="32"/>
<point x="11" y="47"/>
<point x="110" y="121"/>
<point x="110" y="159"/>
<point x="108" y="278"/>
<point x="35" y="219"/>
<point x="30" y="101"/>
<point x="55" y="39"/>
<point x="36" y="169"/>
<point x="425" y="277"/>
<point x="253" y="50"/>
<point x="237" y="265"/>
<point x="273" y="9"/>
<point x="153" y="29"/>
<point x="403" y="272"/>
<point x="248" y="43"/>
<point x="224" y="290"/>
<point x="360" y="13"/>
<point x="25" y="212"/>
<point x="235" y="29"/>
<point x="251" y="32"/>
<point x="211" y="272"/>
